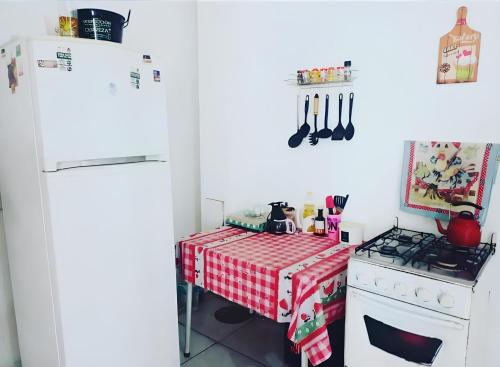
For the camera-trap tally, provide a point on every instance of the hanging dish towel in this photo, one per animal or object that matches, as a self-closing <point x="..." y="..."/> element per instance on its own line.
<point x="435" y="174"/>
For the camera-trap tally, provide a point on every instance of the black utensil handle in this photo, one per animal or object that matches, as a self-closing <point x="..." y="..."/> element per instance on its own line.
<point x="306" y="108"/>
<point x="466" y="214"/>
<point x="460" y="203"/>
<point x="341" y="97"/>
<point x="327" y="103"/>
<point x="298" y="123"/>
<point x="351" y="101"/>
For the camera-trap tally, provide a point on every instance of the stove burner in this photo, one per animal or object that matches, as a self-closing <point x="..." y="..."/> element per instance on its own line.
<point x="446" y="265"/>
<point x="447" y="258"/>
<point x="387" y="250"/>
<point x="404" y="238"/>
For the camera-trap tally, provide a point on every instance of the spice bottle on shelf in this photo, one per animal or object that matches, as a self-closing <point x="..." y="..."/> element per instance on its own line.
<point x="315" y="75"/>
<point x="300" y="77"/>
<point x="330" y="74"/>
<point x="307" y="215"/>
<point x="339" y="74"/>
<point x="319" y="224"/>
<point x="347" y="70"/>
<point x="306" y="76"/>
<point x="323" y="75"/>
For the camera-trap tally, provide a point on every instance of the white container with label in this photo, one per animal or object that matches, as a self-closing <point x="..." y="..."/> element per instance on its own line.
<point x="351" y="233"/>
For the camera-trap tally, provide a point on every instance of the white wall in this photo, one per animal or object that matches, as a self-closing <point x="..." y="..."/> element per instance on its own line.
<point x="247" y="112"/>
<point x="167" y="29"/>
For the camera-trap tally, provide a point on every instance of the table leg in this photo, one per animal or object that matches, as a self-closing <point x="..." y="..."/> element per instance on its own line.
<point x="304" y="362"/>
<point x="189" y="305"/>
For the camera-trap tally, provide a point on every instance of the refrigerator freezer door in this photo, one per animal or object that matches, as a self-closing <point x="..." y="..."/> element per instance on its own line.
<point x="99" y="101"/>
<point x="113" y="259"/>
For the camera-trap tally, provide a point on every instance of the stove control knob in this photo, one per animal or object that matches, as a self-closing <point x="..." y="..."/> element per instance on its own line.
<point x="446" y="300"/>
<point x="382" y="284"/>
<point x="401" y="289"/>
<point x="362" y="279"/>
<point x="423" y="294"/>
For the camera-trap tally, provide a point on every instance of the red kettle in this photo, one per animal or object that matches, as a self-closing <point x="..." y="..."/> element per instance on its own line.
<point x="463" y="230"/>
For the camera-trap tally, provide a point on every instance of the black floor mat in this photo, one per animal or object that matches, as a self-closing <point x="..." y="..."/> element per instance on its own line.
<point x="232" y="314"/>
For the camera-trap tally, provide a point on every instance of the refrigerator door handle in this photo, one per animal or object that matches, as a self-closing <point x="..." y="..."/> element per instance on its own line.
<point x="57" y="166"/>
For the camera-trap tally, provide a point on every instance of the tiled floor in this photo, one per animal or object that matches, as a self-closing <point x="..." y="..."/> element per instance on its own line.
<point x="257" y="342"/>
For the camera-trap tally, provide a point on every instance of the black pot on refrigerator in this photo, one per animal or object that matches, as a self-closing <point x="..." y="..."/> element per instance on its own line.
<point x="101" y="24"/>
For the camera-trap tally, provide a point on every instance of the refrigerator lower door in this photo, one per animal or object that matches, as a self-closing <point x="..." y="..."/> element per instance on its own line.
<point x="112" y="259"/>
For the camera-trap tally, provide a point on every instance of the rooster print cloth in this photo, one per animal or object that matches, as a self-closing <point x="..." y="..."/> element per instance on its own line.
<point x="437" y="174"/>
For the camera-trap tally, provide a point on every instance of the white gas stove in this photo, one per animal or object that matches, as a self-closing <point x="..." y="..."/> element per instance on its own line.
<point x="414" y="299"/>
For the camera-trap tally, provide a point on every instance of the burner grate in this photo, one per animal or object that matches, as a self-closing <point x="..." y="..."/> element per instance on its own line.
<point x="427" y="252"/>
<point x="396" y="244"/>
<point x="453" y="260"/>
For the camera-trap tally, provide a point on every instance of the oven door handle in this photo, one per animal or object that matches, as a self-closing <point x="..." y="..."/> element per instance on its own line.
<point x="393" y="308"/>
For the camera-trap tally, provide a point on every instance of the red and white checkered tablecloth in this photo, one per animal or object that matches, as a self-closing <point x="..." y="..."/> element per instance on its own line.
<point x="246" y="271"/>
<point x="265" y="272"/>
<point x="188" y="247"/>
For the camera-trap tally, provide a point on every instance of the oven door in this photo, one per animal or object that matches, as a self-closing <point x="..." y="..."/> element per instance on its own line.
<point x="384" y="332"/>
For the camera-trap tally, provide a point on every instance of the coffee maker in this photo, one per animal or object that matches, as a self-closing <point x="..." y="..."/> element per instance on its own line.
<point x="277" y="222"/>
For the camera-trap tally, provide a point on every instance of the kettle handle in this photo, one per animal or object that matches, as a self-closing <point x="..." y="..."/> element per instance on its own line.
<point x="466" y="214"/>
<point x="460" y="203"/>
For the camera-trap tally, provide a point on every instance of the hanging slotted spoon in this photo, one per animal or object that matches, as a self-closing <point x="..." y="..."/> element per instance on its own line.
<point x="338" y="132"/>
<point x="313" y="137"/>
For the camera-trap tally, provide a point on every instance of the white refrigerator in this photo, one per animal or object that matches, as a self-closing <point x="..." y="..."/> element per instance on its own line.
<point x="86" y="194"/>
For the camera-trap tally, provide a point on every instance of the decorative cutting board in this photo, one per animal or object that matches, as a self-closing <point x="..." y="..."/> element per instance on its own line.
<point x="459" y="52"/>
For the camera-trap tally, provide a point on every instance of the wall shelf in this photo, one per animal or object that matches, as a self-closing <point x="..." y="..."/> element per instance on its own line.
<point x="292" y="81"/>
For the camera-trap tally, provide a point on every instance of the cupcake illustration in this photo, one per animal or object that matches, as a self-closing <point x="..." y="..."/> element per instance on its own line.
<point x="466" y="64"/>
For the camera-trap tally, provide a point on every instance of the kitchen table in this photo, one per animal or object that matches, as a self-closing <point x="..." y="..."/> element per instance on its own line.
<point x="299" y="279"/>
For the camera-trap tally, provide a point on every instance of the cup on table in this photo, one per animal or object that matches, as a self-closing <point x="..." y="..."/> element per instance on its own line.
<point x="332" y="225"/>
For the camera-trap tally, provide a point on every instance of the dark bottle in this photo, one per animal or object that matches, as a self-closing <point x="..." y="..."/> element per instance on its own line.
<point x="319" y="224"/>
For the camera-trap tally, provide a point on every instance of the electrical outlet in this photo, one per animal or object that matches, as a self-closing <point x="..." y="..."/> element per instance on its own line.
<point x="213" y="215"/>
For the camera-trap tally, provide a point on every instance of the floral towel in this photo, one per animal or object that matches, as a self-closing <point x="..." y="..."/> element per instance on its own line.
<point x="435" y="174"/>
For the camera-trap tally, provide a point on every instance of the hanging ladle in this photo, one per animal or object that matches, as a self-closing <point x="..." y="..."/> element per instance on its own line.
<point x="296" y="139"/>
